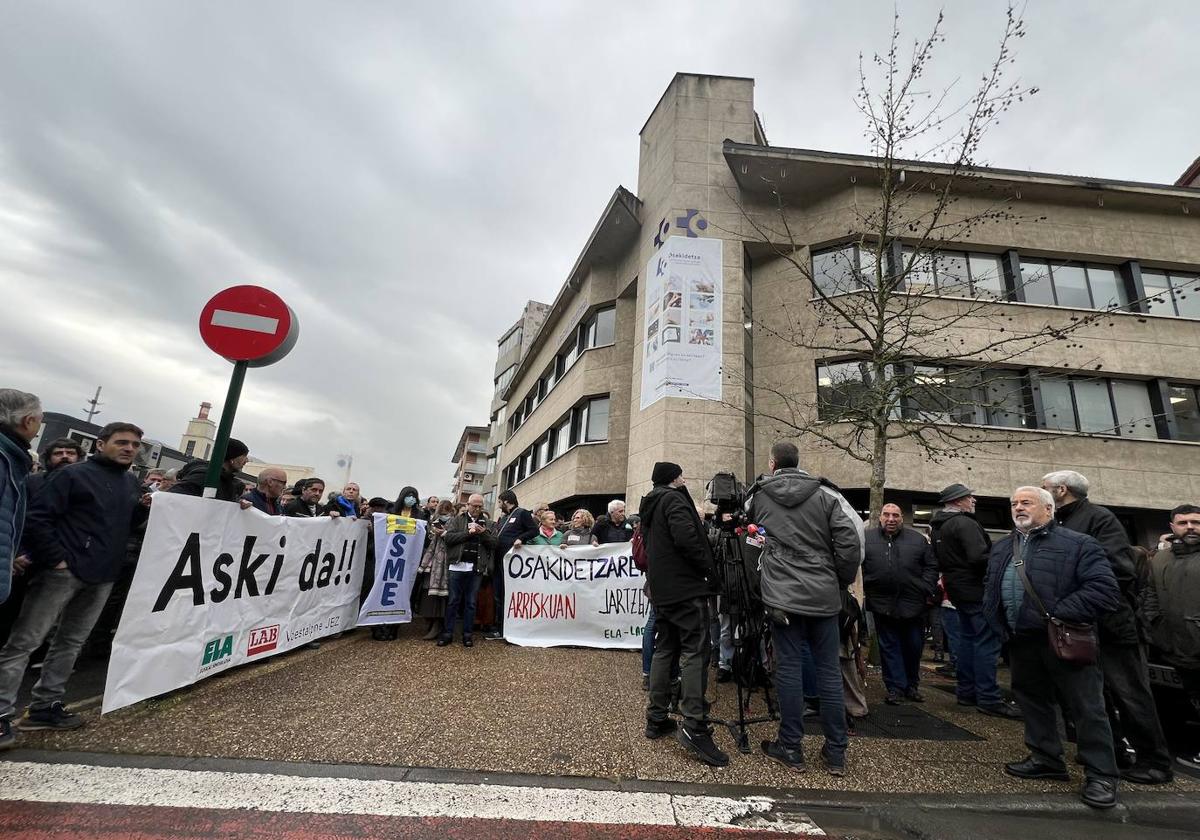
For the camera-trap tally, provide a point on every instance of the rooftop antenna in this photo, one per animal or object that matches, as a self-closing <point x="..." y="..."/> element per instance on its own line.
<point x="95" y="404"/>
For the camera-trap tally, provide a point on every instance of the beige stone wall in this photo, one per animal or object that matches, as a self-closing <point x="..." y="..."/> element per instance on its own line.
<point x="1133" y="473"/>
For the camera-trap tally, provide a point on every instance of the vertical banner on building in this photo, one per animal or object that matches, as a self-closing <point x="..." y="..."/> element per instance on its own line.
<point x="681" y="353"/>
<point x="591" y="596"/>
<point x="217" y="586"/>
<point x="399" y="542"/>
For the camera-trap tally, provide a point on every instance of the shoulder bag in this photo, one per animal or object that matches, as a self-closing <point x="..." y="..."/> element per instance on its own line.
<point x="1074" y="643"/>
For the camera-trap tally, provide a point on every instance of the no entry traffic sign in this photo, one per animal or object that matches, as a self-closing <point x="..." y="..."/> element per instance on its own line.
<point x="249" y="324"/>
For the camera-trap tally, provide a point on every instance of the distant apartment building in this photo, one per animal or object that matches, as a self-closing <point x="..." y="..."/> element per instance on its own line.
<point x="470" y="458"/>
<point x="511" y="349"/>
<point x="584" y="414"/>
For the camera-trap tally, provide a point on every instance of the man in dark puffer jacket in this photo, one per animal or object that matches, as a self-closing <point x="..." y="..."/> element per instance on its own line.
<point x="679" y="574"/>
<point x="961" y="547"/>
<point x="1072" y="578"/>
<point x="1126" y="678"/>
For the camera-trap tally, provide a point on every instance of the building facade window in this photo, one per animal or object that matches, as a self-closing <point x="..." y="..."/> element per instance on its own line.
<point x="504" y="379"/>
<point x="510" y="342"/>
<point x="597" y="330"/>
<point x="1172" y="292"/>
<point x="954" y="273"/>
<point x="586" y="422"/>
<point x="1185" y="404"/>
<point x="946" y="394"/>
<point x="190" y="448"/>
<point x="1077" y="285"/>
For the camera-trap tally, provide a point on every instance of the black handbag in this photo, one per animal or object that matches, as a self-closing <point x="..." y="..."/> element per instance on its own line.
<point x="1074" y="643"/>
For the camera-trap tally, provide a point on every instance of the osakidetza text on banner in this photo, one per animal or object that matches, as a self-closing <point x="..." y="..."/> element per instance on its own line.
<point x="590" y="596"/>
<point x="217" y="586"/>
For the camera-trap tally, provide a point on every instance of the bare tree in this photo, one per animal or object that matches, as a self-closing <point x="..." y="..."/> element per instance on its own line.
<point x="918" y="348"/>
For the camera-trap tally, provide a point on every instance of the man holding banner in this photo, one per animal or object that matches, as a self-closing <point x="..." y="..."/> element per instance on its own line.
<point x="469" y="546"/>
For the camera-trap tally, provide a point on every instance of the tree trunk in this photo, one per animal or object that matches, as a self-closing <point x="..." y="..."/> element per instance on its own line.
<point x="878" y="473"/>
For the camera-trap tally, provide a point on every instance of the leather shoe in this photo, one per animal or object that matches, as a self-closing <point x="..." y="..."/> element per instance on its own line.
<point x="1031" y="768"/>
<point x="1099" y="793"/>
<point x="1148" y="776"/>
<point x="1001" y="710"/>
<point x="914" y="695"/>
<point x="442" y="642"/>
<point x="892" y="699"/>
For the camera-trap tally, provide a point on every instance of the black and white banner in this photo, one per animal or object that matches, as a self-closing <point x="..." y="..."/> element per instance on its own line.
<point x="217" y="586"/>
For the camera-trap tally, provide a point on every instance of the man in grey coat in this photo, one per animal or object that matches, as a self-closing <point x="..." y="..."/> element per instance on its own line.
<point x="814" y="547"/>
<point x="20" y="421"/>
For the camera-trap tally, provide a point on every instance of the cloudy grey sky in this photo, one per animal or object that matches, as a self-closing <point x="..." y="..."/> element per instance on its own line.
<point x="407" y="175"/>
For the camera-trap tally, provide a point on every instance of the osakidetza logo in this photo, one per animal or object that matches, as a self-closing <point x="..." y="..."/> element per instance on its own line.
<point x="262" y="639"/>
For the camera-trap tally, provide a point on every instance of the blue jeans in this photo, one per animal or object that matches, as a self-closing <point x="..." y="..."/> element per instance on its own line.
<point x="901" y="641"/>
<point x="952" y="630"/>
<point x="976" y="653"/>
<point x="54" y="596"/>
<point x="464" y="589"/>
<point x="823" y="640"/>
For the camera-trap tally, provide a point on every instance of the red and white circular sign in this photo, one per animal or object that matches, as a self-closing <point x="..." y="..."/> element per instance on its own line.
<point x="249" y="324"/>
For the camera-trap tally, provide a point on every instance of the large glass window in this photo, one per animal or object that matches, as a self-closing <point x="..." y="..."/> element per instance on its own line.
<point x="842" y="389"/>
<point x="1070" y="286"/>
<point x="1093" y="406"/>
<point x="597" y="420"/>
<point x="1100" y="406"/>
<point x="1172" y="292"/>
<point x="606" y="326"/>
<point x="1135" y="417"/>
<point x="955" y="273"/>
<point x="1185" y="403"/>
<point x="503" y="380"/>
<point x="1035" y="282"/>
<point x="1078" y="285"/>
<point x="1108" y="290"/>
<point x="836" y="271"/>
<point x="510" y="342"/>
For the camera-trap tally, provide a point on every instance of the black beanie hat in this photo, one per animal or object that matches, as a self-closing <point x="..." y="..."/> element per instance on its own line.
<point x="665" y="472"/>
<point x="236" y="449"/>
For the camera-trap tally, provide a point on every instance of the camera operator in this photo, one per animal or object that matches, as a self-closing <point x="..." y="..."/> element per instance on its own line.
<point x="813" y="549"/>
<point x="679" y="573"/>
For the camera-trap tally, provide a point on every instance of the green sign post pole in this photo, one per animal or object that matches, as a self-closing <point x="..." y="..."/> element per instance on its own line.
<point x="213" y="476"/>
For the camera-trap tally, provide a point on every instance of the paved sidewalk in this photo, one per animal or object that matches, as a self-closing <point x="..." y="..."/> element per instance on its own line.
<point x="502" y="708"/>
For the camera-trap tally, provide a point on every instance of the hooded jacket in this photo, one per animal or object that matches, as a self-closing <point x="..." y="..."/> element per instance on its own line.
<point x="1067" y="570"/>
<point x="679" y="556"/>
<point x="1171" y="604"/>
<point x="961" y="547"/>
<point x="1120" y="626"/>
<point x="190" y="482"/>
<point x="15" y="463"/>
<point x="814" y="544"/>
<point x="82" y="516"/>
<point x="899" y="573"/>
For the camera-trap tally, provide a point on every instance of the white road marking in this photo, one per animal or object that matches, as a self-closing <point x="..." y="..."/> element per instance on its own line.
<point x="86" y="784"/>
<point x="244" y="321"/>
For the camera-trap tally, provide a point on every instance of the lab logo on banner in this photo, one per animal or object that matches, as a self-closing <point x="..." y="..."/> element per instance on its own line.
<point x="217" y="652"/>
<point x="262" y="639"/>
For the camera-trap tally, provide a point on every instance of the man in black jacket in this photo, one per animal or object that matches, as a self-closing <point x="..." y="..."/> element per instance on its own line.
<point x="961" y="547"/>
<point x="190" y="480"/>
<point x="1126" y="678"/>
<point x="613" y="528"/>
<point x="679" y="574"/>
<point x="78" y="528"/>
<point x="265" y="495"/>
<point x="308" y="499"/>
<point x="1044" y="571"/>
<point x="516" y="526"/>
<point x="899" y="577"/>
<point x="470" y="544"/>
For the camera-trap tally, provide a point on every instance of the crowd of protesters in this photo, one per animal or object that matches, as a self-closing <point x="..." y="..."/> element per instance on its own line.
<point x="1064" y="597"/>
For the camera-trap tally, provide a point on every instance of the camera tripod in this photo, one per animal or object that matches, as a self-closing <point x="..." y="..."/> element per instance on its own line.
<point x="751" y="638"/>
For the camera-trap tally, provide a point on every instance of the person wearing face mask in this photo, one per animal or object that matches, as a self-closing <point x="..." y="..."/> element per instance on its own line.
<point x="407" y="504"/>
<point x="1171" y="605"/>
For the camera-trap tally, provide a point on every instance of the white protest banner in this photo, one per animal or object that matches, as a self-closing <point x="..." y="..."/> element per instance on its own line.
<point x="589" y="596"/>
<point x="681" y="351"/>
<point x="217" y="586"/>
<point x="399" y="542"/>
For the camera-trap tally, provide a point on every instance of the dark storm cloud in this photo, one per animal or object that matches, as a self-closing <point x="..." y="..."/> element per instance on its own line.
<point x="407" y="176"/>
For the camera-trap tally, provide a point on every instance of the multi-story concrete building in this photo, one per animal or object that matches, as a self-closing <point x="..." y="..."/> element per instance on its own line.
<point x="470" y="458"/>
<point x="579" y="429"/>
<point x="510" y="350"/>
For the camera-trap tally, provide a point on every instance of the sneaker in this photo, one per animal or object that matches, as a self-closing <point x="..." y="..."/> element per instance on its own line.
<point x="1191" y="762"/>
<point x="833" y="766"/>
<point x="791" y="759"/>
<point x="914" y="695"/>
<point x="444" y="640"/>
<point x="468" y="641"/>
<point x="1002" y="710"/>
<point x="54" y="716"/>
<point x="700" y="744"/>
<point x="812" y="709"/>
<point x="656" y="729"/>
<point x="8" y="738"/>
<point x="494" y="635"/>
<point x="645" y="682"/>
<point x="893" y="698"/>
